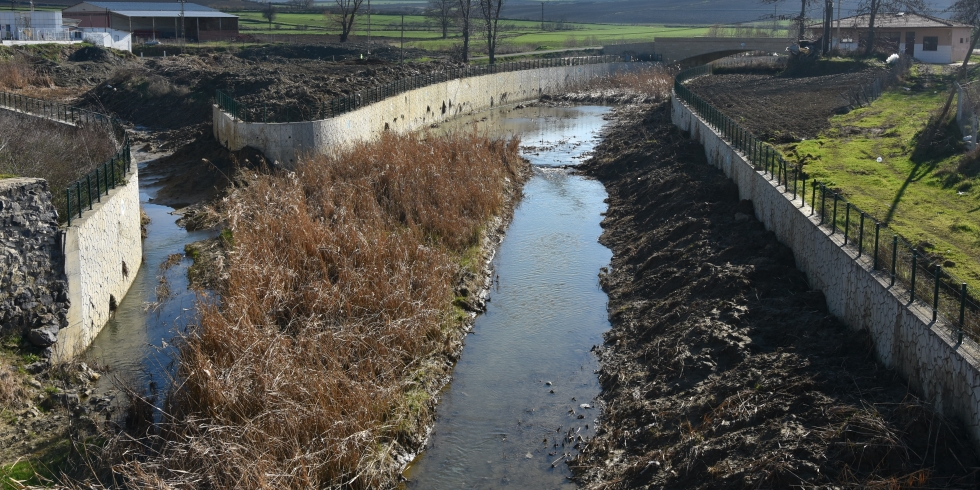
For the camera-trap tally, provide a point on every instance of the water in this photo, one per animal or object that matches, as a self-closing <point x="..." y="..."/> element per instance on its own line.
<point x="136" y="342"/>
<point x="527" y="369"/>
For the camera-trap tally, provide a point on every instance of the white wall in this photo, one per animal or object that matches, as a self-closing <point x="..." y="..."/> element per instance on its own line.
<point x="905" y="339"/>
<point x="108" y="38"/>
<point x="103" y="251"/>
<point x="284" y="142"/>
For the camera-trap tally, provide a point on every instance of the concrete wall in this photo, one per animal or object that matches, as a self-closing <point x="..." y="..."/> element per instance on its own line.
<point x="103" y="251"/>
<point x="904" y="337"/>
<point x="33" y="286"/>
<point x="415" y="109"/>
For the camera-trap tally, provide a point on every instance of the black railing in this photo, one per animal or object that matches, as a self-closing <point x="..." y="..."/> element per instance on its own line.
<point x="88" y="190"/>
<point x="81" y="194"/>
<point x="340" y="105"/>
<point x="889" y="255"/>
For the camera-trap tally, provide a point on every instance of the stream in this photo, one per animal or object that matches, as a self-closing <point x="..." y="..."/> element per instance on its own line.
<point x="135" y="345"/>
<point x="522" y="392"/>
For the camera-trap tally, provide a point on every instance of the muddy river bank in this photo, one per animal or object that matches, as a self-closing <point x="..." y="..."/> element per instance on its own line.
<point x="723" y="368"/>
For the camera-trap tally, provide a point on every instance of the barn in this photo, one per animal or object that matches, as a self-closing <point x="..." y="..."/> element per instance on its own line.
<point x="157" y="20"/>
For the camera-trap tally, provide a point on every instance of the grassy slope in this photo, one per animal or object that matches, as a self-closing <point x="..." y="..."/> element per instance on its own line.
<point x="919" y="196"/>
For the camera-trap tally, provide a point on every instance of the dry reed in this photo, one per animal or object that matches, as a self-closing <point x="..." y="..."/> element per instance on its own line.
<point x="315" y="368"/>
<point x="654" y="82"/>
<point x="35" y="147"/>
<point x="16" y="72"/>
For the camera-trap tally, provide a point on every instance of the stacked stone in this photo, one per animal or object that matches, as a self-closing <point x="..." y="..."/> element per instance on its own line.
<point x="33" y="284"/>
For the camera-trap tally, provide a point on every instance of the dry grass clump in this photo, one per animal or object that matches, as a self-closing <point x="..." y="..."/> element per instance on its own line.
<point x="655" y="82"/>
<point x="35" y="147"/>
<point x="315" y="368"/>
<point x="16" y="72"/>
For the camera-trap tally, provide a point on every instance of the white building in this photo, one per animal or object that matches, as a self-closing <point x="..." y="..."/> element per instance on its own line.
<point x="39" y="27"/>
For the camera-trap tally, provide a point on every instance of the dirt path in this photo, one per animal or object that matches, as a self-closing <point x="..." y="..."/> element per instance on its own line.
<point x="723" y="369"/>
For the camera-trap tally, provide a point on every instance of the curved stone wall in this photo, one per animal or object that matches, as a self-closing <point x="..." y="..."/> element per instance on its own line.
<point x="414" y="109"/>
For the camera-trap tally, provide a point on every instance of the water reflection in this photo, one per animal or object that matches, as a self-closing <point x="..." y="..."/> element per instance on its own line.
<point x="523" y="390"/>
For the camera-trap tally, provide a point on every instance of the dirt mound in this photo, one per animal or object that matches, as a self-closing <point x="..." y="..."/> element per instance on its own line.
<point x="782" y="109"/>
<point x="96" y="54"/>
<point x="723" y="369"/>
<point x="198" y="172"/>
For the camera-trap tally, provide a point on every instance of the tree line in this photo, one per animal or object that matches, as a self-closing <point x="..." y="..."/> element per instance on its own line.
<point x="460" y="15"/>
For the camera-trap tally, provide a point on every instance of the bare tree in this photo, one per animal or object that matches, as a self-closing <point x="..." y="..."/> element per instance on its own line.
<point x="490" y="9"/>
<point x="443" y="12"/>
<point x="875" y="7"/>
<point x="269" y="13"/>
<point x="463" y="14"/>
<point x="348" y="10"/>
<point x="967" y="12"/>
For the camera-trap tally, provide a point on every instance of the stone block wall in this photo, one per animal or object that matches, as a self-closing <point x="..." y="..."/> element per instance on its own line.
<point x="905" y="338"/>
<point x="103" y="251"/>
<point x="409" y="111"/>
<point x="33" y="285"/>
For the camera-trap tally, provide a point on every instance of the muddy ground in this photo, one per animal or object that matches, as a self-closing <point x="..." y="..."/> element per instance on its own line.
<point x="723" y="369"/>
<point x="785" y="109"/>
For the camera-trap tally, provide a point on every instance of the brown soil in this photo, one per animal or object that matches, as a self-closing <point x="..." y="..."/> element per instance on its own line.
<point x="782" y="109"/>
<point x="723" y="369"/>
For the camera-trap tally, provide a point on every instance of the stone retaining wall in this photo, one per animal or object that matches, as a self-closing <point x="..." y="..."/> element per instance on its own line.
<point x="904" y="336"/>
<point x="33" y="285"/>
<point x="414" y="109"/>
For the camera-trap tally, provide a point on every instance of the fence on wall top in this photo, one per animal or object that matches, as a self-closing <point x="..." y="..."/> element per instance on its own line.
<point x="888" y="254"/>
<point x="81" y="194"/>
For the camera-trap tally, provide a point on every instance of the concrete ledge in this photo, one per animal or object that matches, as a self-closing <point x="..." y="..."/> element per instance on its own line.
<point x="904" y="336"/>
<point x="408" y="111"/>
<point x="103" y="251"/>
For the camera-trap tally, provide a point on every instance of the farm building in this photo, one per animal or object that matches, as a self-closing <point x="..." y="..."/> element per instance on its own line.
<point x="927" y="39"/>
<point x="157" y="20"/>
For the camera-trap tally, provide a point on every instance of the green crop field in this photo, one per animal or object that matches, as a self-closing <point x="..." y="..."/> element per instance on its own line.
<point x="929" y="197"/>
<point x="421" y="32"/>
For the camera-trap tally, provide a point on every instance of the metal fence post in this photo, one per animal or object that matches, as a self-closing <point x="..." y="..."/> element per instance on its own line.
<point x="68" y="207"/>
<point x="823" y="200"/>
<point x="874" y="264"/>
<point x="894" y="257"/>
<point x="935" y="292"/>
<point x="915" y="256"/>
<point x="847" y="222"/>
<point x="78" y="196"/>
<point x="861" y="235"/>
<point x="833" y="221"/>
<point x="803" y="194"/>
<point x="796" y="177"/>
<point x="88" y="186"/>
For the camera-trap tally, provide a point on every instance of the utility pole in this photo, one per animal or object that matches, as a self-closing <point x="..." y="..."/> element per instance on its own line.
<point x="369" y="21"/>
<point x="403" y="39"/>
<point x="542" y="16"/>
<point x="838" y="24"/>
<point x="828" y="19"/>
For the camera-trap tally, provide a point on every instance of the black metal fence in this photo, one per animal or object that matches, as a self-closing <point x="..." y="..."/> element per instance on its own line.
<point x="888" y="254"/>
<point x="81" y="194"/>
<point x="348" y="103"/>
<point x="53" y="110"/>
<point x="84" y="192"/>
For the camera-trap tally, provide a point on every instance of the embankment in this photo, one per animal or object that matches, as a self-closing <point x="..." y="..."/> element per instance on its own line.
<point x="408" y="111"/>
<point x="905" y="337"/>
<point x="724" y="368"/>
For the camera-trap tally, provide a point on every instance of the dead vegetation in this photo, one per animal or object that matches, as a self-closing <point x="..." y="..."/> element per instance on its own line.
<point x="723" y="368"/>
<point x="35" y="147"/>
<point x="335" y="325"/>
<point x="17" y="72"/>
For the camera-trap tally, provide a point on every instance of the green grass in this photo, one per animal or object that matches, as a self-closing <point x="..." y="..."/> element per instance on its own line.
<point x="40" y="469"/>
<point x="924" y="196"/>
<point x="420" y="33"/>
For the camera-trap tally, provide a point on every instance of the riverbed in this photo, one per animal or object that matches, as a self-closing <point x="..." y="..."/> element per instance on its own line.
<point x="522" y="394"/>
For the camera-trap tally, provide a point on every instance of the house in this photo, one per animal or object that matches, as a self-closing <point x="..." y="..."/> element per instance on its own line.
<point x="32" y="26"/>
<point x="157" y="20"/>
<point x="928" y="39"/>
